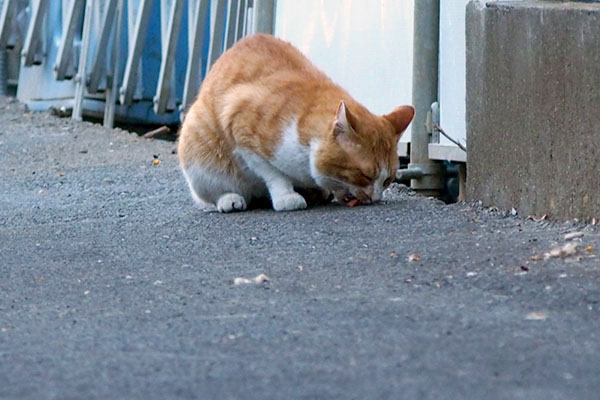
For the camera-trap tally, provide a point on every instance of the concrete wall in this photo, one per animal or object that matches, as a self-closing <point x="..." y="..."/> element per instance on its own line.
<point x="533" y="107"/>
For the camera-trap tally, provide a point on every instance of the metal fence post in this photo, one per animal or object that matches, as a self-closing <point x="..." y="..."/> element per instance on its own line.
<point x="112" y="89"/>
<point x="425" y="93"/>
<point x="264" y="15"/>
<point x="3" y="65"/>
<point x="81" y="76"/>
<point x="65" y="49"/>
<point x="171" y="21"/>
<point x="31" y="48"/>
<point x="136" y="43"/>
<point x="196" y="15"/>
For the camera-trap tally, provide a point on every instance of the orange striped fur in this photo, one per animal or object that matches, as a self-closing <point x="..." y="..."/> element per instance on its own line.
<point x="267" y="122"/>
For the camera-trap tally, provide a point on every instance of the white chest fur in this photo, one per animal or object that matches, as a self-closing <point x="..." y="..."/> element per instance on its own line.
<point x="292" y="158"/>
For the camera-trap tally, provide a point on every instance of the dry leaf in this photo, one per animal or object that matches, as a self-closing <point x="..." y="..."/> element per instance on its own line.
<point x="589" y="249"/>
<point x="156" y="162"/>
<point x="536" y="219"/>
<point x="568" y="249"/>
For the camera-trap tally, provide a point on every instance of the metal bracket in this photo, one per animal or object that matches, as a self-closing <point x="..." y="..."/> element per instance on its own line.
<point x="64" y="59"/>
<point x="165" y="90"/>
<point x="31" y="48"/>
<point x="136" y="44"/>
<point x="217" y="16"/>
<point x="83" y="57"/>
<point x="432" y="121"/>
<point x="111" y="91"/>
<point x="94" y="77"/>
<point x="7" y="19"/>
<point x="197" y="15"/>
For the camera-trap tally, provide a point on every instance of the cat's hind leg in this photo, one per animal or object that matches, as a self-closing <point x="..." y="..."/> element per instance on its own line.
<point x="230" y="202"/>
<point x="210" y="187"/>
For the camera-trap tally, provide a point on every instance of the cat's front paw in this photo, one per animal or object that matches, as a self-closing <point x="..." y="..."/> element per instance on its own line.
<point x="289" y="202"/>
<point x="230" y="202"/>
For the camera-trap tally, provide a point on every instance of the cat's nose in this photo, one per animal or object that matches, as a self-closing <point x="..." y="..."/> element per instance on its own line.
<point x="376" y="195"/>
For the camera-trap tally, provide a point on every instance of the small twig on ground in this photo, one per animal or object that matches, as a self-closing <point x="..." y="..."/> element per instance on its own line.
<point x="159" y="133"/>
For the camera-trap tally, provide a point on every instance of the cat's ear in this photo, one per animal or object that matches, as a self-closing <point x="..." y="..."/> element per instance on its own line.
<point x="400" y="118"/>
<point x="343" y="121"/>
<point x="343" y="130"/>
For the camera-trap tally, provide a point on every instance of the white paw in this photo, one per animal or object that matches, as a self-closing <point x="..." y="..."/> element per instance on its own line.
<point x="289" y="202"/>
<point x="231" y="202"/>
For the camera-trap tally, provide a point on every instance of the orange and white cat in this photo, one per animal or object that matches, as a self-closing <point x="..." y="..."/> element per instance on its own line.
<point x="267" y="122"/>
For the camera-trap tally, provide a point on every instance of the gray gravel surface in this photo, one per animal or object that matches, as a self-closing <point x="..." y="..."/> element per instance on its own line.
<point x="114" y="285"/>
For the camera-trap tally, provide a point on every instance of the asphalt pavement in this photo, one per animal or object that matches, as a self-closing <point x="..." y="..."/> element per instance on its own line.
<point x="114" y="285"/>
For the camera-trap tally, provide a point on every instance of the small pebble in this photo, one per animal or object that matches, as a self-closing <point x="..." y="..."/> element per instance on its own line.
<point x="536" y="316"/>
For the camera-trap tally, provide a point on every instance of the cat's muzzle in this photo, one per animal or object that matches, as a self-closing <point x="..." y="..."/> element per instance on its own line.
<point x="351" y="200"/>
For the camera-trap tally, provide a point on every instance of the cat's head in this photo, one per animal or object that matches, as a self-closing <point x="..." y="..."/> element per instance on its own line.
<point x="358" y="159"/>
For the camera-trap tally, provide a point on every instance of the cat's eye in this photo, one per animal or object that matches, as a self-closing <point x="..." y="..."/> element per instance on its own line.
<point x="387" y="182"/>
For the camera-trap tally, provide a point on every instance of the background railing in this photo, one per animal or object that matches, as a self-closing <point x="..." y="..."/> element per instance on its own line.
<point x="134" y="60"/>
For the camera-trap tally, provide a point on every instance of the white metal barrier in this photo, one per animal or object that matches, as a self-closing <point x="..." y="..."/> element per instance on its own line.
<point x="366" y="45"/>
<point x="137" y="60"/>
<point x="144" y="60"/>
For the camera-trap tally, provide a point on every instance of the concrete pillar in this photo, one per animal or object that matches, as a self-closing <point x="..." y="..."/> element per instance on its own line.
<point x="533" y="73"/>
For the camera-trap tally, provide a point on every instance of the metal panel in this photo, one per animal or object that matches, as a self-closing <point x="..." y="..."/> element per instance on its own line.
<point x="164" y="90"/>
<point x="7" y="19"/>
<point x="264" y="13"/>
<point x="33" y="41"/>
<point x="136" y="43"/>
<point x="240" y="25"/>
<point x="364" y="45"/>
<point x="452" y="75"/>
<point x="198" y="10"/>
<point x="3" y="60"/>
<point x="231" y="22"/>
<point x="80" y="79"/>
<point x="36" y="83"/>
<point x="52" y="52"/>
<point x="98" y="66"/>
<point x="217" y="26"/>
<point x="111" y="92"/>
<point x="65" y="49"/>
